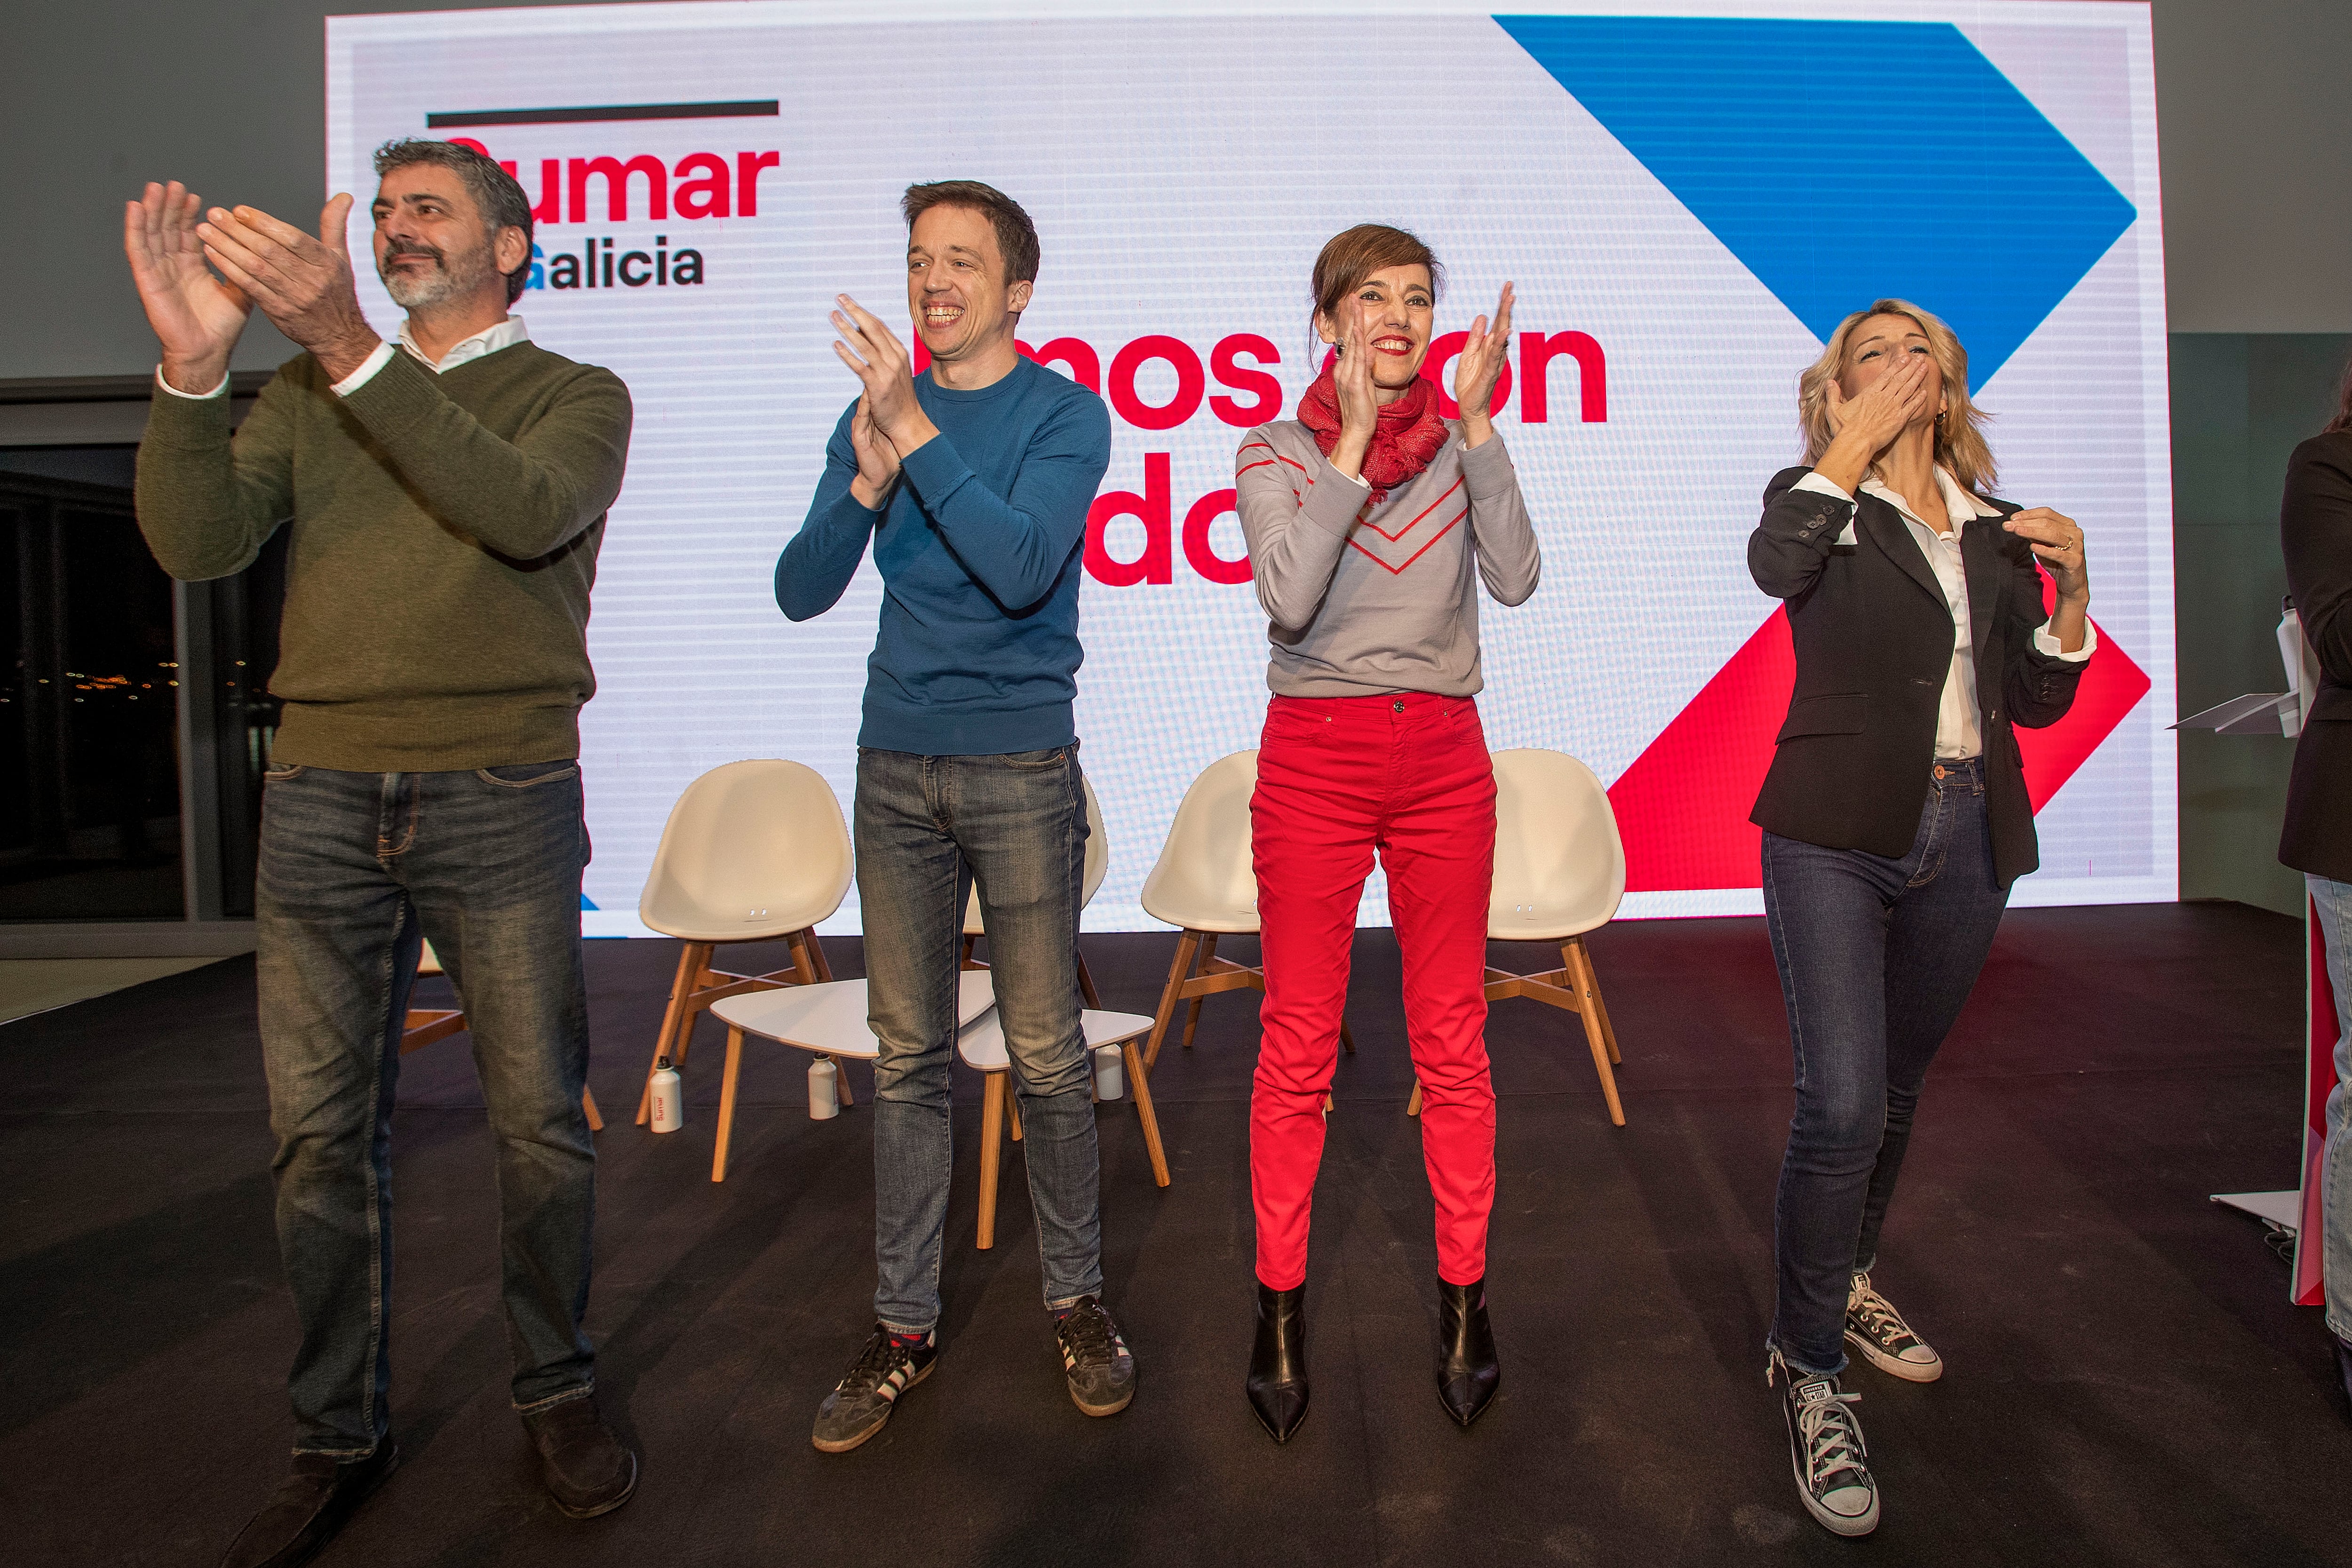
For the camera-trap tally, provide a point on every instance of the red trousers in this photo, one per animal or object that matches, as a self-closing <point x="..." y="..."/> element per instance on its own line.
<point x="1339" y="778"/>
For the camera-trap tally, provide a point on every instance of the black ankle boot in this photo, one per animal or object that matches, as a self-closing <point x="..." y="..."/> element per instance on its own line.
<point x="1277" y="1368"/>
<point x="1467" y="1371"/>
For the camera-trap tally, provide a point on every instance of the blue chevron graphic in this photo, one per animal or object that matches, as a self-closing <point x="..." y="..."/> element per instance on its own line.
<point x="1843" y="161"/>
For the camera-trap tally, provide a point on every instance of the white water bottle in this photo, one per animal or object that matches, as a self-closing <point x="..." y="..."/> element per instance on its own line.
<point x="825" y="1089"/>
<point x="1110" y="1072"/>
<point x="668" y="1112"/>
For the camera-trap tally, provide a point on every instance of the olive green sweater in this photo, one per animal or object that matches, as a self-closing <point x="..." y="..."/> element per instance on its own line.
<point x="445" y="534"/>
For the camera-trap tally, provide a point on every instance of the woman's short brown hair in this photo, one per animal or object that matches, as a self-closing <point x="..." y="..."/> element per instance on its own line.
<point x="1016" y="236"/>
<point x="1959" y="434"/>
<point x="1351" y="256"/>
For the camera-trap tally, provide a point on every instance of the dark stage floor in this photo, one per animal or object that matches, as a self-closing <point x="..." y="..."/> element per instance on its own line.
<point x="2127" y="1382"/>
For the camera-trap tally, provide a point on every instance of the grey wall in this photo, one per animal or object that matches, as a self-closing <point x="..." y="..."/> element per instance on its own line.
<point x="98" y="95"/>
<point x="2240" y="403"/>
<point x="2257" y="160"/>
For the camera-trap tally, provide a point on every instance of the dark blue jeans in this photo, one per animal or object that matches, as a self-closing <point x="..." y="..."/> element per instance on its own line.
<point x="356" y="870"/>
<point x="928" y="828"/>
<point x="1877" y="958"/>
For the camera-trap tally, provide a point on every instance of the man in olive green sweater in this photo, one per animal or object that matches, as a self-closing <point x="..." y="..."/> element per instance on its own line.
<point x="446" y="495"/>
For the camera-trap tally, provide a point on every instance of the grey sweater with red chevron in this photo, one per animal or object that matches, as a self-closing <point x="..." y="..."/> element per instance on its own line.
<point x="1365" y="600"/>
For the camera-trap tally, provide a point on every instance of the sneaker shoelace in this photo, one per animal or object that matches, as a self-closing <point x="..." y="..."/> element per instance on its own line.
<point x="1879" y="1319"/>
<point x="1832" y="1439"/>
<point x="1088" y="1336"/>
<point x="881" y="1357"/>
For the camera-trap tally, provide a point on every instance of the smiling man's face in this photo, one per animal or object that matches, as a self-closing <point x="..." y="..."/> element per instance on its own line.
<point x="956" y="288"/>
<point x="432" y="245"/>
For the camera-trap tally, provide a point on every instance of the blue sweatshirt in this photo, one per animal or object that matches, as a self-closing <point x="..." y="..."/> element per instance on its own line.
<point x="977" y="653"/>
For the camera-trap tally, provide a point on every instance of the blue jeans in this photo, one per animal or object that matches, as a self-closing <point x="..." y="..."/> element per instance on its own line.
<point x="356" y="869"/>
<point x="2334" y="902"/>
<point x="1876" y="957"/>
<point x="928" y="828"/>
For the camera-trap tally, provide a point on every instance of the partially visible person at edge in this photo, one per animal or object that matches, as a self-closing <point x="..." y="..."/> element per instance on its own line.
<point x="1895" y="818"/>
<point x="1372" y="524"/>
<point x="972" y="481"/>
<point x="445" y="494"/>
<point x="2315" y="529"/>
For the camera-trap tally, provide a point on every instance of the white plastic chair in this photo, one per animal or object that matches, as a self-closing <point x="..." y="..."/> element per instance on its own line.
<point x="1097" y="866"/>
<point x="980" y="1043"/>
<point x="425" y="1024"/>
<point x="752" y="851"/>
<point x="1204" y="881"/>
<point x="1559" y="872"/>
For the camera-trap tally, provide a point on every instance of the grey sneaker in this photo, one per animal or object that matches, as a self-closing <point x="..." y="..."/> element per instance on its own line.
<point x="862" y="1401"/>
<point x="1874" y="1328"/>
<point x="1094" y="1357"/>
<point x="1825" y="1450"/>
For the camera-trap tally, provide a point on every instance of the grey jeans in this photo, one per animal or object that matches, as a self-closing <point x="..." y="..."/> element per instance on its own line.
<point x="928" y="828"/>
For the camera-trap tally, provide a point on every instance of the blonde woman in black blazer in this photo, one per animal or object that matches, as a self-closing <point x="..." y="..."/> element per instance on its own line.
<point x="1895" y="816"/>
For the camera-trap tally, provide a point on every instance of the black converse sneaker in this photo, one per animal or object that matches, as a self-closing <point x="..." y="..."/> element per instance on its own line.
<point x="1825" y="1450"/>
<point x="1874" y="1328"/>
<point x="1094" y="1357"/>
<point x="861" y="1402"/>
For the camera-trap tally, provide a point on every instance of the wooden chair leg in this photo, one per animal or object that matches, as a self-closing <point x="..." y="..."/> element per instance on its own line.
<point x="1140" y="1086"/>
<point x="1086" y="984"/>
<point x="588" y="1104"/>
<point x="1593" y="975"/>
<point x="800" y="944"/>
<point x="1346" y="1038"/>
<point x="1579" y="976"/>
<point x="841" y="1083"/>
<point x="1412" y="1106"/>
<point x="1013" y="1109"/>
<point x="682" y="1041"/>
<point x="1207" y="959"/>
<point x="689" y="964"/>
<point x="816" y="957"/>
<point x="1179" y="972"/>
<point x="991" y="1138"/>
<point x="727" y="1104"/>
<point x="964" y="959"/>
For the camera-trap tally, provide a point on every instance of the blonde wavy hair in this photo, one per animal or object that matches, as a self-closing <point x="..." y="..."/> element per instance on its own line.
<point x="1959" y="433"/>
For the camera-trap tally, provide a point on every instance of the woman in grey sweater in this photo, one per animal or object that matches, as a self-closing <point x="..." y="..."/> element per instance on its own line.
<point x="1373" y="522"/>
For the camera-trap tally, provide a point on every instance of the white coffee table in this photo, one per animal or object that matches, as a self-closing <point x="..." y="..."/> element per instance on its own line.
<point x="828" y="1019"/>
<point x="980" y="1043"/>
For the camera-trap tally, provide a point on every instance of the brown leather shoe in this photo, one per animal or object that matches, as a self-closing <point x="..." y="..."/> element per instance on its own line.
<point x="587" y="1470"/>
<point x="313" y="1502"/>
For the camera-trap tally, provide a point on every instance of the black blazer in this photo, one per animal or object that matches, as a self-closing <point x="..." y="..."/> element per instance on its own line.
<point x="1873" y="637"/>
<point x="2315" y="528"/>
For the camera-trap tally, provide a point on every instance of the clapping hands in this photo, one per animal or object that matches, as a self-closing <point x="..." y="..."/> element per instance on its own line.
<point x="1479" y="366"/>
<point x="196" y="316"/>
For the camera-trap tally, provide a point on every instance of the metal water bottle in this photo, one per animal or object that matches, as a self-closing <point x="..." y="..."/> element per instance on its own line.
<point x="825" y="1089"/>
<point x="669" y="1109"/>
<point x="1110" y="1072"/>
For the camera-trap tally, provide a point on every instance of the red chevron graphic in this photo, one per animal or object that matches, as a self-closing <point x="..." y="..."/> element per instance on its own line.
<point x="1398" y="569"/>
<point x="1682" y="807"/>
<point x="1424" y="511"/>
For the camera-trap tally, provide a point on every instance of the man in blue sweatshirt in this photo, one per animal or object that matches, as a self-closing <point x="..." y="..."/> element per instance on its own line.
<point x="972" y="481"/>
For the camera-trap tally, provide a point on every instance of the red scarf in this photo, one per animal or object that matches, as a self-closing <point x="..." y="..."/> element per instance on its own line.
<point x="1409" y="433"/>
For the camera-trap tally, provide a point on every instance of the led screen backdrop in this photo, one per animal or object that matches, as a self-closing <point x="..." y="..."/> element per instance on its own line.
<point x="1688" y="197"/>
